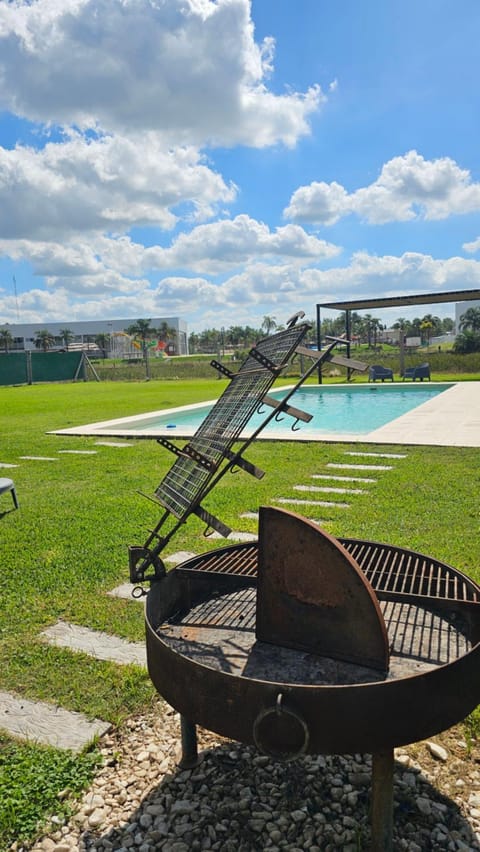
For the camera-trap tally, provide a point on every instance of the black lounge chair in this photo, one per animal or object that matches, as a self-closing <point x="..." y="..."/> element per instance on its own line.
<point x="421" y="372"/>
<point x="378" y="372"/>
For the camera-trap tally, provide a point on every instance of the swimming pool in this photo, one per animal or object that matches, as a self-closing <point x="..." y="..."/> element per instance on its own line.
<point x="338" y="410"/>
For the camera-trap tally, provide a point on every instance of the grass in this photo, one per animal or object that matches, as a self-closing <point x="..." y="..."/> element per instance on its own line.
<point x="67" y="546"/>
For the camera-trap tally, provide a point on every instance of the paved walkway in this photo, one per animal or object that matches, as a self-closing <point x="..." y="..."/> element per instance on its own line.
<point x="451" y="419"/>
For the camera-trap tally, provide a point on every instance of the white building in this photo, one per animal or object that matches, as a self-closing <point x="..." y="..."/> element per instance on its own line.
<point x="86" y="331"/>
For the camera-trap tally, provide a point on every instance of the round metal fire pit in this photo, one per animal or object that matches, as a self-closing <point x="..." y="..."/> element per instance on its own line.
<point x="205" y="659"/>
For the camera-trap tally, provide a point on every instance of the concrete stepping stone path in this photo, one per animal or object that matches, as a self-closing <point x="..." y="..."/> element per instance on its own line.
<point x="325" y="503"/>
<point x="325" y="489"/>
<point x="335" y="478"/>
<point x="47" y="724"/>
<point x="100" y="645"/>
<point x="347" y="466"/>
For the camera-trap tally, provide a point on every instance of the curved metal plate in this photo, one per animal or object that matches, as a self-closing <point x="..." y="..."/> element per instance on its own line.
<point x="312" y="595"/>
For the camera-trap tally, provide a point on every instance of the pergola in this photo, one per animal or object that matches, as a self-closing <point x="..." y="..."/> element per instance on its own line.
<point x="391" y="302"/>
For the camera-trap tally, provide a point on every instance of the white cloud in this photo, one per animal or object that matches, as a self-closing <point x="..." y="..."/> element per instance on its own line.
<point x="408" y="187"/>
<point x="473" y="246"/>
<point x="104" y="263"/>
<point x="188" y="70"/>
<point x="215" y="246"/>
<point x="244" y="297"/>
<point x="106" y="184"/>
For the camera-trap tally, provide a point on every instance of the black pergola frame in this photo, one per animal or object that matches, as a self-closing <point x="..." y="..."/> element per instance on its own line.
<point x="388" y="302"/>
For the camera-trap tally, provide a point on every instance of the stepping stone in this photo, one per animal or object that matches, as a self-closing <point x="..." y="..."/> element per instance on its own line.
<point x="329" y="490"/>
<point x="236" y="536"/>
<point x="80" y="452"/>
<point x="251" y="515"/>
<point x="377" y="455"/>
<point x="324" y="503"/>
<point x="4" y="464"/>
<point x="111" y="444"/>
<point x="125" y="591"/>
<point x="360" y="466"/>
<point x="179" y="556"/>
<point x="343" y="478"/>
<point x="39" y="458"/>
<point x="48" y="724"/>
<point x="100" y="645"/>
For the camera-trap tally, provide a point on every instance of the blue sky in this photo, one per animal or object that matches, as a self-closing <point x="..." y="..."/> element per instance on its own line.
<point x="222" y="161"/>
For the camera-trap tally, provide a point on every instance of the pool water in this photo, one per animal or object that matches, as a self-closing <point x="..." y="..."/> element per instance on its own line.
<point x="339" y="409"/>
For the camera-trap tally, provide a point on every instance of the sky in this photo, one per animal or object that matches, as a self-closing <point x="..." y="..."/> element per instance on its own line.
<point x="227" y="160"/>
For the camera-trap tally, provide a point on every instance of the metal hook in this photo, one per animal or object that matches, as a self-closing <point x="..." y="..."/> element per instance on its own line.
<point x="294" y="427"/>
<point x="278" y="418"/>
<point x="260" y="409"/>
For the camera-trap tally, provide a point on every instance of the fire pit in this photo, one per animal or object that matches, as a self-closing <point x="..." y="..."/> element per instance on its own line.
<point x="300" y="643"/>
<point x="305" y="644"/>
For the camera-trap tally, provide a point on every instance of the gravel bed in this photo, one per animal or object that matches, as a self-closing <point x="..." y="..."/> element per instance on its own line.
<point x="237" y="800"/>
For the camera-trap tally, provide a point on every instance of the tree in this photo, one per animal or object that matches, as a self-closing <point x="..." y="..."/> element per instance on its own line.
<point x="166" y="332"/>
<point x="6" y="339"/>
<point x="103" y="343"/>
<point x="466" y="342"/>
<point x="470" y="320"/>
<point x="143" y="331"/>
<point x="67" y="336"/>
<point x="269" y="324"/>
<point x="44" y="339"/>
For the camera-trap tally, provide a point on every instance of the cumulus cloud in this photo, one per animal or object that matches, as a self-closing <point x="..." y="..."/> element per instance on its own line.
<point x="107" y="184"/>
<point x="408" y="187"/>
<point x="190" y="70"/>
<point x="105" y="262"/>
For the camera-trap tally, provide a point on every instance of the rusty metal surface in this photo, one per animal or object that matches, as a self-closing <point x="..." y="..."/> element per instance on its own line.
<point x="209" y="688"/>
<point x="312" y="594"/>
<point x="204" y="659"/>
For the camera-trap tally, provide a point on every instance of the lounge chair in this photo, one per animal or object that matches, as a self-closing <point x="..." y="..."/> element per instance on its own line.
<point x="421" y="372"/>
<point x="7" y="485"/>
<point x="378" y="372"/>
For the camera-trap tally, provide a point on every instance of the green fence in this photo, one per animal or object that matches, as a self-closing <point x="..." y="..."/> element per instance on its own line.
<point x="25" y="368"/>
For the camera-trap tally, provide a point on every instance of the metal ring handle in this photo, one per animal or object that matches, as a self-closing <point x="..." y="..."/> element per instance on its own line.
<point x="281" y="732"/>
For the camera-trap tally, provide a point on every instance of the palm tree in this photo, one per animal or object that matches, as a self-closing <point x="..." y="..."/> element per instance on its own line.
<point x="143" y="331"/>
<point x="103" y="343"/>
<point x="470" y="320"/>
<point x="166" y="333"/>
<point x="67" y="336"/>
<point x="44" y="339"/>
<point x="6" y="339"/>
<point x="269" y="324"/>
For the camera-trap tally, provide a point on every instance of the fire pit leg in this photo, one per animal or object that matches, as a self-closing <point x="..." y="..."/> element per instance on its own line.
<point x="382" y="801"/>
<point x="189" y="757"/>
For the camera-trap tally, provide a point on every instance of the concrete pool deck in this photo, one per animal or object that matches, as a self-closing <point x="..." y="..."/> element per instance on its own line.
<point x="450" y="419"/>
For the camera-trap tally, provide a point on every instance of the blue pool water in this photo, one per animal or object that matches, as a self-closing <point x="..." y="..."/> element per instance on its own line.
<point x="340" y="409"/>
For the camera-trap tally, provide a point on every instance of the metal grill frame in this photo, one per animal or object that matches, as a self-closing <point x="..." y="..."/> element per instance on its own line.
<point x="202" y="462"/>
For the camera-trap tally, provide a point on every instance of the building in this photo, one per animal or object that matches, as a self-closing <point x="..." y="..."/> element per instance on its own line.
<point x="85" y="333"/>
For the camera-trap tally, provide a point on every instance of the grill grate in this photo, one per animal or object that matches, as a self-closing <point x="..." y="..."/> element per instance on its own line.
<point x="185" y="482"/>
<point x="390" y="570"/>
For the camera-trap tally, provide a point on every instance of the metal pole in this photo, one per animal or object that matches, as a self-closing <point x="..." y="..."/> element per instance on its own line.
<point x="348" y="332"/>
<point x="382" y="801"/>
<point x="189" y="757"/>
<point x="319" y="342"/>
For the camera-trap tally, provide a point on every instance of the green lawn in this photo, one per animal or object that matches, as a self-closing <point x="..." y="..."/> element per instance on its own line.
<point x="67" y="546"/>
